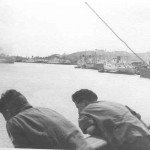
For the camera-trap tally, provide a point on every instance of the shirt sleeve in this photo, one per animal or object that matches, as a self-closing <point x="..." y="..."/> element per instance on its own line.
<point x="134" y="113"/>
<point x="17" y="136"/>
<point x="85" y="122"/>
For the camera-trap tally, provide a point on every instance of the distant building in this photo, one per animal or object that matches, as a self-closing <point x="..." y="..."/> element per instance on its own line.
<point x="54" y="59"/>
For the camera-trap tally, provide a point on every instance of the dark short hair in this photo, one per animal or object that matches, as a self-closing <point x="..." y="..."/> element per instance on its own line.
<point x="12" y="96"/>
<point x="84" y="94"/>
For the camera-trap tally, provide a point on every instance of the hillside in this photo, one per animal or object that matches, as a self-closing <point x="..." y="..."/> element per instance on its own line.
<point x="131" y="57"/>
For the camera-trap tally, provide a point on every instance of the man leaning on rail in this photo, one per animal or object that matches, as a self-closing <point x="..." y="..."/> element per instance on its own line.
<point x="120" y="126"/>
<point x="39" y="128"/>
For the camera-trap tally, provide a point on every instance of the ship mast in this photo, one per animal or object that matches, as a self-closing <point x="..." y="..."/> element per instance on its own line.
<point x="114" y="33"/>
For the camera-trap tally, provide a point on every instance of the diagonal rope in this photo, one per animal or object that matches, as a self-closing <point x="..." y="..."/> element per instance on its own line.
<point x="114" y="32"/>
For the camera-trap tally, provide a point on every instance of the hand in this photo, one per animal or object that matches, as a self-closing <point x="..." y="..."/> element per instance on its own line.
<point x="91" y="130"/>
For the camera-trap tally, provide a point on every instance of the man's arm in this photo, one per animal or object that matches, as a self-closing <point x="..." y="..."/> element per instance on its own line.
<point x="91" y="130"/>
<point x="87" y="125"/>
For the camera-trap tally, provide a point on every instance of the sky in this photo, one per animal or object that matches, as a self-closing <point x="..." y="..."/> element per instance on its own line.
<point x="46" y="27"/>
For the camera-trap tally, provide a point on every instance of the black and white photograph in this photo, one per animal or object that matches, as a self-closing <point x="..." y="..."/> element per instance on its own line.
<point x="75" y="74"/>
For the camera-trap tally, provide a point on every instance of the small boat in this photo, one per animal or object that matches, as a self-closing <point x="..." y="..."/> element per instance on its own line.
<point x="95" y="66"/>
<point x="101" y="70"/>
<point x="126" y="70"/>
<point x="110" y="68"/>
<point x="144" y="72"/>
<point x="89" y="66"/>
<point x="77" y="66"/>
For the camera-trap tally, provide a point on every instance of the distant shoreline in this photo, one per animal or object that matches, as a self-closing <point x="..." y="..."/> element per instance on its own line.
<point x="47" y="63"/>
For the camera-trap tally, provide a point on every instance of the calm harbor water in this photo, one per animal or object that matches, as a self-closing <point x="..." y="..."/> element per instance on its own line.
<point x="51" y="86"/>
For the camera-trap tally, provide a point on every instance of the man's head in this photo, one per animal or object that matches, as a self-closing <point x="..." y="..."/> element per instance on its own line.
<point x="83" y="97"/>
<point x="11" y="103"/>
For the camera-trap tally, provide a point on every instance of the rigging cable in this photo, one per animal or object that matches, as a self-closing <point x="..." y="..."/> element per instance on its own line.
<point x="114" y="32"/>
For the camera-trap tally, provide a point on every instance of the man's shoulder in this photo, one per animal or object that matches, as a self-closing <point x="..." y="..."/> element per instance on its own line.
<point x="34" y="110"/>
<point x="28" y="112"/>
<point x="96" y="104"/>
<point x="91" y="107"/>
<point x="102" y="106"/>
<point x="104" y="103"/>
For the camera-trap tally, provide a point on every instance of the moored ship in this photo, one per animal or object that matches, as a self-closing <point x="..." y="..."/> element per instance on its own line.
<point x="7" y="60"/>
<point x="144" y="73"/>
